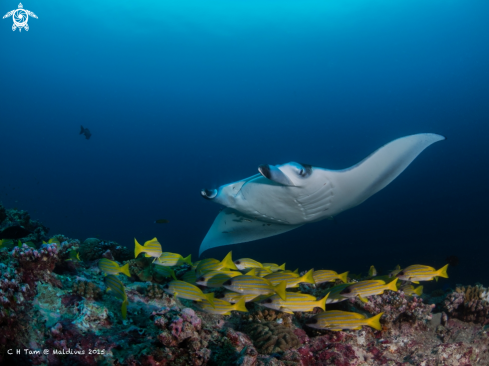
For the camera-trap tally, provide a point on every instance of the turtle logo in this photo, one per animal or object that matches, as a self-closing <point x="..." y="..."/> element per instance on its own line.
<point x="20" y="17"/>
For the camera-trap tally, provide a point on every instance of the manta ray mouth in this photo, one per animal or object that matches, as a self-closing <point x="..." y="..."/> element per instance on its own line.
<point x="209" y="194"/>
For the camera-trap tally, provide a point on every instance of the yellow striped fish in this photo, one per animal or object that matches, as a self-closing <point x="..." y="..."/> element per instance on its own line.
<point x="245" y="284"/>
<point x="195" y="265"/>
<point x="173" y="259"/>
<point x="151" y="248"/>
<point x="164" y="271"/>
<point x="259" y="272"/>
<point x="274" y="267"/>
<point x="116" y="287"/>
<point x="187" y="291"/>
<point x="296" y="271"/>
<point x="216" y="278"/>
<point x="324" y="275"/>
<point x="339" y="320"/>
<point x="291" y="279"/>
<point x="364" y="289"/>
<point x="234" y="297"/>
<point x="372" y="272"/>
<point x="113" y="268"/>
<point x="222" y="307"/>
<point x="190" y="276"/>
<point x="7" y="243"/>
<point x="244" y="263"/>
<point x="419" y="272"/>
<point x="395" y="271"/>
<point x="295" y="302"/>
<point x="411" y="291"/>
<point x="334" y="293"/>
<point x="210" y="264"/>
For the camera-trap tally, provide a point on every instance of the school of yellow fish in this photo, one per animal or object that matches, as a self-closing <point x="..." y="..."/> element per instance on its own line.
<point x="248" y="280"/>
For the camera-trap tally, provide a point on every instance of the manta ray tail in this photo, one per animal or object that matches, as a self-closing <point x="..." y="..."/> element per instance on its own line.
<point x="231" y="227"/>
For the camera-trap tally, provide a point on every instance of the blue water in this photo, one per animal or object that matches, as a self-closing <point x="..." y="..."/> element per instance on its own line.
<point x="184" y="95"/>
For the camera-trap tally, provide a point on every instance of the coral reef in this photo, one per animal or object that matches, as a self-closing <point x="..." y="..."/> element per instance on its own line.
<point x="271" y="337"/>
<point x="93" y="249"/>
<point x="396" y="307"/>
<point x="86" y="289"/>
<point x="50" y="301"/>
<point x="155" y="291"/>
<point x="14" y="218"/>
<point x="468" y="304"/>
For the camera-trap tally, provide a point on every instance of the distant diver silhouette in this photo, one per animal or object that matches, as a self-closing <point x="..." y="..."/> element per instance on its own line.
<point x="86" y="132"/>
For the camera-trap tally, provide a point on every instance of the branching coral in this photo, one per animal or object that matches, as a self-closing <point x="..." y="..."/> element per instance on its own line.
<point x="272" y="337"/>
<point x="468" y="304"/>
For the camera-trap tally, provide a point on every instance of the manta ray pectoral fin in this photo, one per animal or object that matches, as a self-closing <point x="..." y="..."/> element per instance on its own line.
<point x="274" y="174"/>
<point x="231" y="227"/>
<point x="354" y="185"/>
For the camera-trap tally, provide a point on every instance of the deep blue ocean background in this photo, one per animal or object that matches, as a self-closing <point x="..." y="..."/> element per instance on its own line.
<point x="184" y="95"/>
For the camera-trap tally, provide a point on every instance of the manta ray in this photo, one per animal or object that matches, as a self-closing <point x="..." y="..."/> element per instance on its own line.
<point x="284" y="197"/>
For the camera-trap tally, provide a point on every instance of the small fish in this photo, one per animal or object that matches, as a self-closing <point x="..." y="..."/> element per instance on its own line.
<point x="173" y="259"/>
<point x="162" y="221"/>
<point x="234" y="297"/>
<point x="117" y="288"/>
<point x="53" y="240"/>
<point x="221" y="307"/>
<point x="216" y="278"/>
<point x="394" y="272"/>
<point x="295" y="302"/>
<point x="190" y="276"/>
<point x="210" y="264"/>
<point x="244" y="263"/>
<point x="372" y="272"/>
<point x="245" y="284"/>
<point x="194" y="266"/>
<point x="274" y="267"/>
<point x="291" y="279"/>
<point x="334" y="293"/>
<point x="367" y="288"/>
<point x="86" y="132"/>
<point x="110" y="267"/>
<point x="259" y="272"/>
<point x="296" y="271"/>
<point x="74" y="256"/>
<point x="385" y="278"/>
<point x="188" y="291"/>
<point x="324" y="275"/>
<point x="30" y="244"/>
<point x="151" y="248"/>
<point x="411" y="291"/>
<point x="165" y="271"/>
<point x="338" y="320"/>
<point x="418" y="272"/>
<point x="6" y="243"/>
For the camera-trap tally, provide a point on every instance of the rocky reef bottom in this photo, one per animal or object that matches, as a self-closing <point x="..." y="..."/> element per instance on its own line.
<point x="54" y="310"/>
<point x="67" y="319"/>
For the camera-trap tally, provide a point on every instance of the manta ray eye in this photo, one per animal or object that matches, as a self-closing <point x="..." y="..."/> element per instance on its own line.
<point x="301" y="172"/>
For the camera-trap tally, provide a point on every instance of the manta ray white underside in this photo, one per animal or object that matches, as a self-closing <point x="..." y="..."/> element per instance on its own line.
<point x="284" y="197"/>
